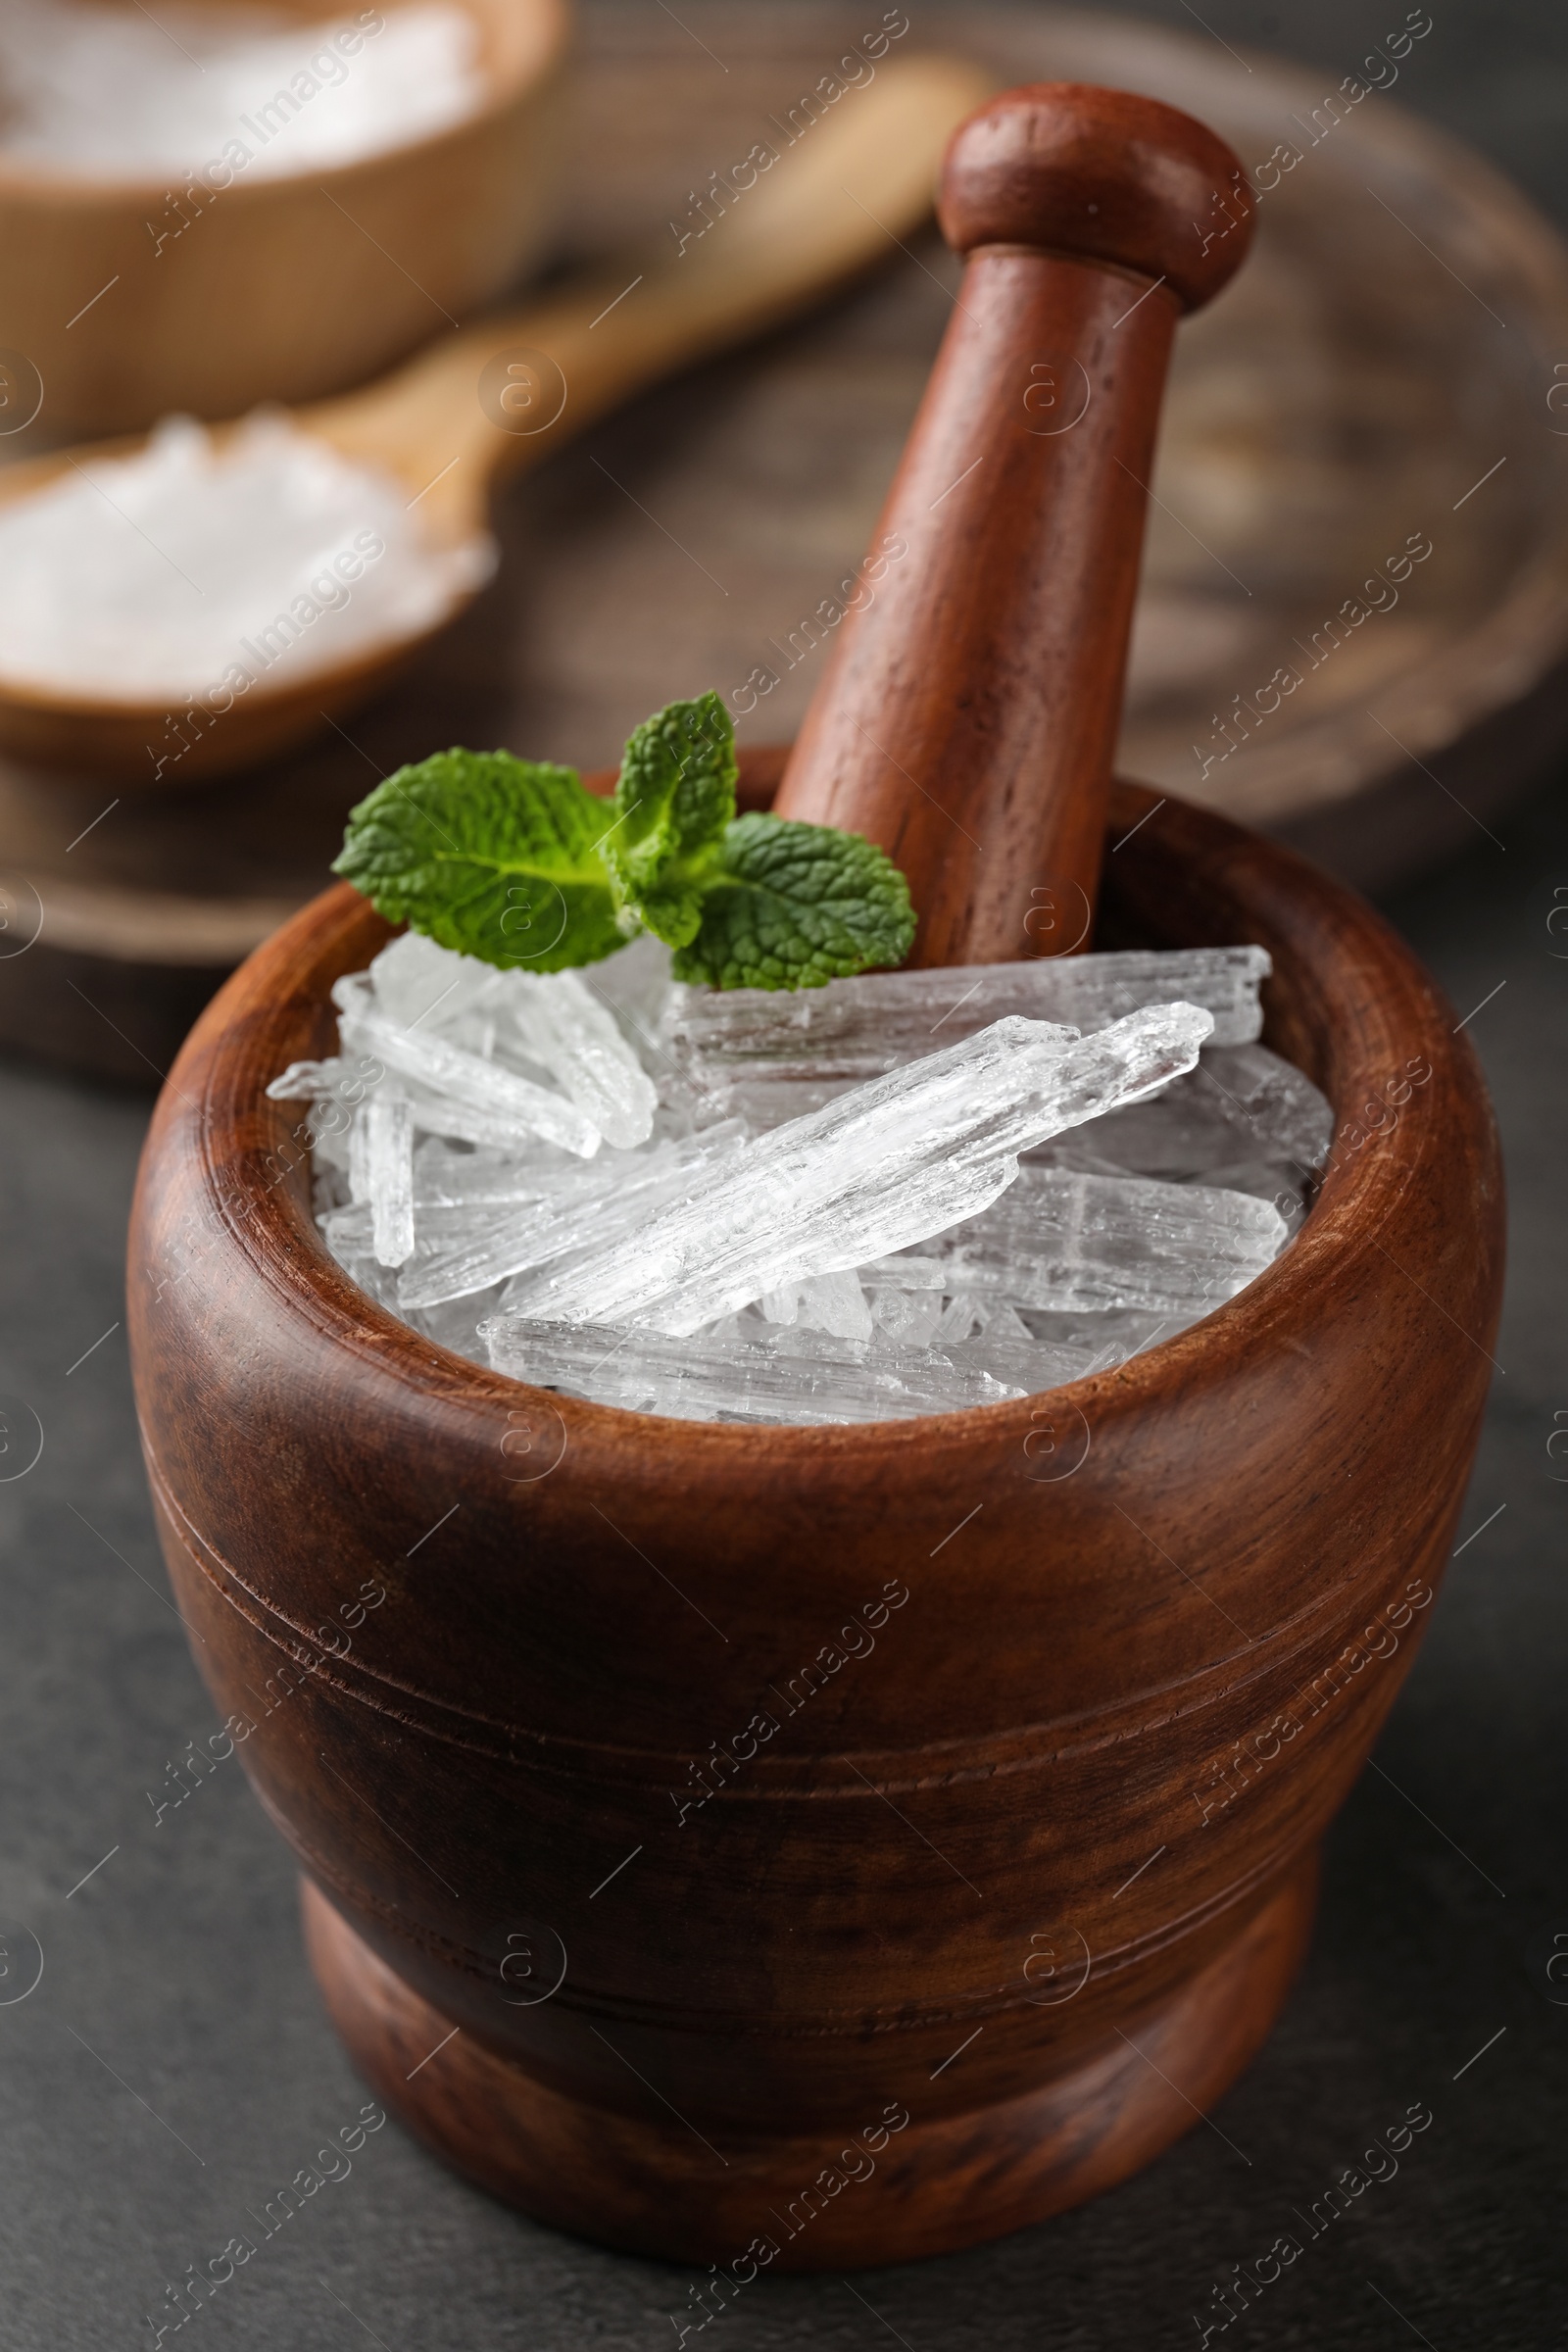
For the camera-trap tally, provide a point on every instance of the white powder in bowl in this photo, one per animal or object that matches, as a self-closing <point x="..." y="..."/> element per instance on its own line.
<point x="114" y="93"/>
<point x="194" y="570"/>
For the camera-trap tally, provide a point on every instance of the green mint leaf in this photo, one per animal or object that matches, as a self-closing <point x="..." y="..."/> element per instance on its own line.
<point x="794" y="905"/>
<point x="674" y="797"/>
<point x="495" y="857"/>
<point x="513" y="862"/>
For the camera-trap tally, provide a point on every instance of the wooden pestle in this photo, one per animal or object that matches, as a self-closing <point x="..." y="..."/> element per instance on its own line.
<point x="968" y="718"/>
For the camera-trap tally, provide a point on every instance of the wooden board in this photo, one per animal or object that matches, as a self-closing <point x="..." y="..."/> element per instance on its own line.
<point x="1350" y="390"/>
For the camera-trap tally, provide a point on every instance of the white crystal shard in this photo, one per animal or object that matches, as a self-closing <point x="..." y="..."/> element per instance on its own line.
<point x="330" y="1132"/>
<point x="1069" y="1242"/>
<point x="635" y="983"/>
<point x="1112" y="1333"/>
<point x="1009" y="1355"/>
<point x="442" y="1226"/>
<point x="906" y="1317"/>
<point x="334" y="1089"/>
<point x="419" y="984"/>
<point x="960" y="1317"/>
<point x="448" y="1178"/>
<point x="338" y="1085"/>
<point x="556" y="1020"/>
<point x="601" y="1209"/>
<point x="831" y="1303"/>
<point x="997" y="1339"/>
<point x="713" y="1376"/>
<point x="311" y="1081"/>
<point x="455" y="1322"/>
<point x="448" y="1074"/>
<point x="835" y="1304"/>
<point x="1275" y="1105"/>
<point x="856" y="1029"/>
<point x="761" y="1101"/>
<point x="906" y="1155"/>
<point x="437" y="1114"/>
<point x="563" y="1026"/>
<point x="388" y="1122"/>
<point x="1241" y="1103"/>
<point x="1267" y="1180"/>
<point x="359" y="1170"/>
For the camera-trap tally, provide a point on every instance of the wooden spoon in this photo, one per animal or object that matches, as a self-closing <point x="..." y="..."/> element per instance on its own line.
<point x="968" y="716"/>
<point x="503" y="393"/>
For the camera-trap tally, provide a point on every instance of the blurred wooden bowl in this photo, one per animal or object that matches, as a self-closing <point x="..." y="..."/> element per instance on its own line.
<point x="276" y="289"/>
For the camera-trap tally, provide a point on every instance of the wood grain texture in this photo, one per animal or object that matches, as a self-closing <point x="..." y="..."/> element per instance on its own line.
<point x="968" y="712"/>
<point x="1154" y="1621"/>
<point x="936" y="2184"/>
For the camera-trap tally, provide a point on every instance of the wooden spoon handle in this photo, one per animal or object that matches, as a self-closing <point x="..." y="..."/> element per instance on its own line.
<point x="968" y="718"/>
<point x="838" y="193"/>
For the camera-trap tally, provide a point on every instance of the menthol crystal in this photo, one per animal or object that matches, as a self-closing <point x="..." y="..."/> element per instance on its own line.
<point x="1241" y="1103"/>
<point x="560" y="1024"/>
<point x="905" y="1156"/>
<point x="831" y="1303"/>
<point x="555" y="1021"/>
<point x="861" y="1202"/>
<point x="711" y="1377"/>
<point x="601" y="1211"/>
<point x="857" y="1029"/>
<point x="420" y="985"/>
<point x="469" y="1081"/>
<point x="390" y="1176"/>
<point x="1071" y="1242"/>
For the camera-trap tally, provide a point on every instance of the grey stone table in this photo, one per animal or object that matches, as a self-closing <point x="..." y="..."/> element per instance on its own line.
<point x="170" y="2070"/>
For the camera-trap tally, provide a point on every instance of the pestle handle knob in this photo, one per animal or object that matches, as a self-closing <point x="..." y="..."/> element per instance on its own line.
<point x="967" y="715"/>
<point x="1099" y="175"/>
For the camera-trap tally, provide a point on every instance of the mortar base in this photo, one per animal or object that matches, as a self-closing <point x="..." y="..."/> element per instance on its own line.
<point x="651" y="2186"/>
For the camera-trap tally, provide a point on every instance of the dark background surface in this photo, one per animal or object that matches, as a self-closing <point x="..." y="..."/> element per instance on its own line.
<point x="172" y="2068"/>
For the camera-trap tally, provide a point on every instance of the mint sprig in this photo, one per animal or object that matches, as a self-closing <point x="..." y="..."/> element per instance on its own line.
<point x="514" y="861"/>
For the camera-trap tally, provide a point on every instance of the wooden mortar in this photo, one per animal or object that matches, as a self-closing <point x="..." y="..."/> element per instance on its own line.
<point x="1064" y="1693"/>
